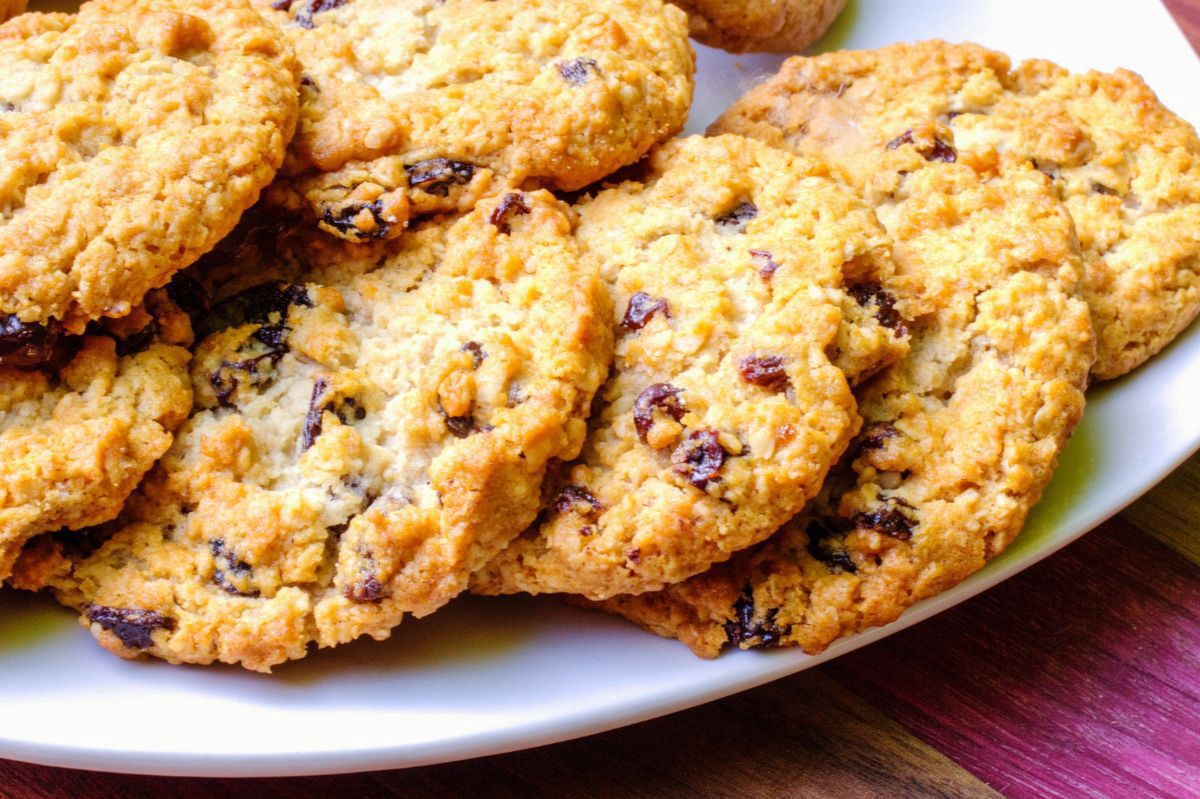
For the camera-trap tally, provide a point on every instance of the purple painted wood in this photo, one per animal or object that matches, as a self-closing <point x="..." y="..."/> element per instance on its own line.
<point x="1080" y="677"/>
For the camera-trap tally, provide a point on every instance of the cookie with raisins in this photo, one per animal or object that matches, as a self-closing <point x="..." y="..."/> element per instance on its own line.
<point x="132" y="137"/>
<point x="773" y="26"/>
<point x="82" y="418"/>
<point x="372" y="423"/>
<point x="412" y="107"/>
<point x="750" y="290"/>
<point x="959" y="438"/>
<point x="1127" y="169"/>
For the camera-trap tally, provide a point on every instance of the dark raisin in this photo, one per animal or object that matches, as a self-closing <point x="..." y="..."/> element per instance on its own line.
<point x="576" y="70"/>
<point x="662" y="397"/>
<point x="342" y="221"/>
<point x="699" y="458"/>
<point x="436" y="175"/>
<point x="138" y="341"/>
<point x="826" y="543"/>
<point x="368" y="589"/>
<point x="633" y="555"/>
<point x="891" y="518"/>
<point x="304" y="17"/>
<point x="747" y="631"/>
<point x="765" y="262"/>
<point x="641" y="309"/>
<point x="6" y="107"/>
<point x="232" y="574"/>
<point x="577" y="499"/>
<point x="735" y="221"/>
<point x="938" y="151"/>
<point x="29" y="345"/>
<point x="1046" y="169"/>
<point x="885" y="305"/>
<point x="512" y="205"/>
<point x="477" y="353"/>
<point x="131" y="625"/>
<point x="1100" y="188"/>
<point x="308" y="83"/>
<point x="459" y="426"/>
<point x="764" y="370"/>
<point x="265" y="304"/>
<point x="257" y="370"/>
<point x="876" y="436"/>
<point x="313" y="419"/>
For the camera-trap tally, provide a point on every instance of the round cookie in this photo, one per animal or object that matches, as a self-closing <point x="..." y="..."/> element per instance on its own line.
<point x="132" y="137"/>
<point x="372" y="423"/>
<point x="82" y="418"/>
<point x="11" y="8"/>
<point x="747" y="286"/>
<point x="412" y="107"/>
<point x="959" y="438"/>
<point x="1127" y="168"/>
<point x="763" y="26"/>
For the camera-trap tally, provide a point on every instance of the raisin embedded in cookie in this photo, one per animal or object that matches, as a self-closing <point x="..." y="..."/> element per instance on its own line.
<point x="411" y="107"/>
<point x="959" y="438"/>
<point x="82" y="418"/>
<point x="747" y="286"/>
<point x="1127" y="169"/>
<point x="11" y="8"/>
<point x="763" y="26"/>
<point x="132" y="137"/>
<point x="372" y="423"/>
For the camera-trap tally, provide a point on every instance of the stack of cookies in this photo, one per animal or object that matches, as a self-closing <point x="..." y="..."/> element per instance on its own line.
<point x="317" y="314"/>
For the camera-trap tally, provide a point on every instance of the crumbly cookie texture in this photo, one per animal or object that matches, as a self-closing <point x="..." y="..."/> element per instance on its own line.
<point x="412" y="107"/>
<point x="1126" y="168"/>
<point x="959" y="438"/>
<point x="372" y="423"/>
<point x="746" y="285"/>
<point x="132" y="137"/>
<point x="763" y="26"/>
<point x="82" y="418"/>
<point x="11" y="8"/>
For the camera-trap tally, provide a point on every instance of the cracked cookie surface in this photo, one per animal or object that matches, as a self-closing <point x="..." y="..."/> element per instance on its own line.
<point x="412" y="107"/>
<point x="1127" y="169"/>
<point x="746" y="285"/>
<point x="82" y="418"/>
<point x="959" y="438"/>
<point x="132" y="137"/>
<point x="762" y="26"/>
<point x="372" y="423"/>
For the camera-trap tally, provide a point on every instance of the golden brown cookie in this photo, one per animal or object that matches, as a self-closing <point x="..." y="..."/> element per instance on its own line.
<point x="82" y="418"/>
<point x="763" y="26"/>
<point x="960" y="437"/>
<point x="132" y="137"/>
<point x="747" y="286"/>
<point x="412" y="107"/>
<point x="1126" y="167"/>
<point x="372" y="423"/>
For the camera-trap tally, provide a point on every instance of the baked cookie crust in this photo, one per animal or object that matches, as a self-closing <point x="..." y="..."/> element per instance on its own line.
<point x="747" y="286"/>
<point x="1127" y="169"/>
<point x="82" y="418"/>
<point x="412" y="107"/>
<point x="372" y="423"/>
<point x="762" y="26"/>
<point x="132" y="137"/>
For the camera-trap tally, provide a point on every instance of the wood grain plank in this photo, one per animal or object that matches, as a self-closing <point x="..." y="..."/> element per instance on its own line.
<point x="804" y="738"/>
<point x="1171" y="512"/>
<point x="1187" y="14"/>
<point x="1076" y="678"/>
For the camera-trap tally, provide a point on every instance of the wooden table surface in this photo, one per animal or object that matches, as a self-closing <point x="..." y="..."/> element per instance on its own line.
<point x="1076" y="678"/>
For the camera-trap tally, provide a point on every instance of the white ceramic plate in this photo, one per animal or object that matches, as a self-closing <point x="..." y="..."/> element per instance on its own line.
<point x="483" y="677"/>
